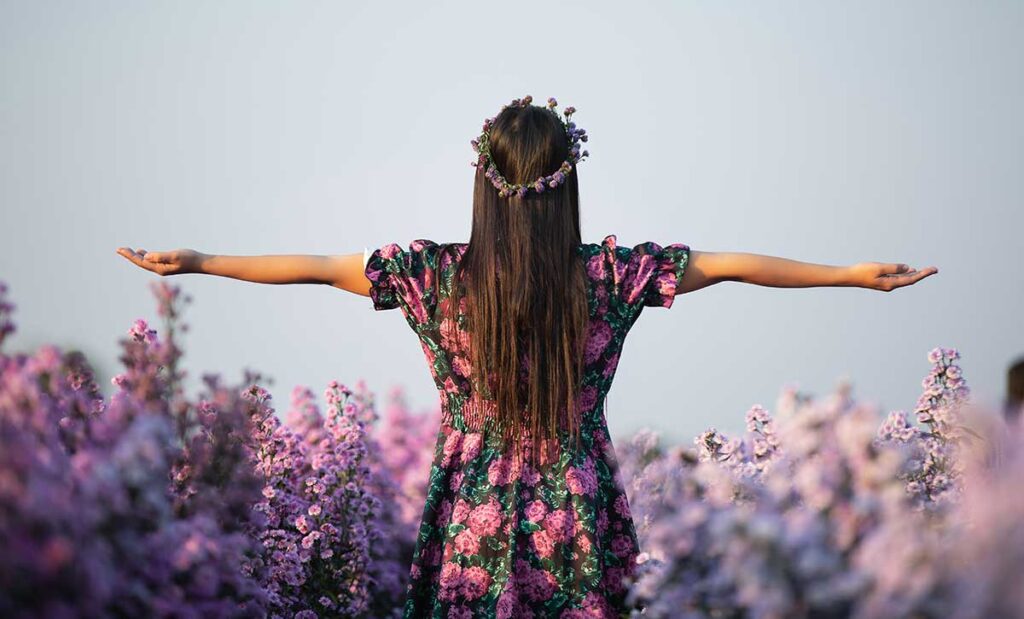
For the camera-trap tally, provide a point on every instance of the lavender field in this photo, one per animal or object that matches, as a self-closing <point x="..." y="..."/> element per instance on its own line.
<point x="158" y="503"/>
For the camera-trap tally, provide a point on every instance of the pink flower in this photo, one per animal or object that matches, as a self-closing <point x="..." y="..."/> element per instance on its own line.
<point x="444" y="512"/>
<point x="595" y="267"/>
<point x="588" y="398"/>
<point x="622" y="506"/>
<point x="467" y="542"/>
<point x="485" y="519"/>
<point x="584" y="543"/>
<point x="471" y="448"/>
<point x="529" y="475"/>
<point x="456" y="481"/>
<point x="452" y="444"/>
<point x="503" y="470"/>
<point x="598" y="336"/>
<point x="582" y="480"/>
<point x="447" y="329"/>
<point x="459" y="612"/>
<point x="559" y="524"/>
<point x="602" y="521"/>
<point x="450" y="581"/>
<point x="542" y="543"/>
<point x="390" y="250"/>
<point x="462" y="366"/>
<point x="622" y="546"/>
<point x="462" y="509"/>
<point x="475" y="582"/>
<point x="536" y="510"/>
<point x="596" y="605"/>
<point x="506" y="606"/>
<point x="536" y="585"/>
<point x="613" y="579"/>
<point x="415" y="571"/>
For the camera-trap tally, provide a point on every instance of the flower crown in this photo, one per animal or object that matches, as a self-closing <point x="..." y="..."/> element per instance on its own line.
<point x="505" y="189"/>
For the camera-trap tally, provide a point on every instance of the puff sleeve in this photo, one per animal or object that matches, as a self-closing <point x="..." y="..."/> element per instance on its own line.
<point x="405" y="279"/>
<point x="646" y="275"/>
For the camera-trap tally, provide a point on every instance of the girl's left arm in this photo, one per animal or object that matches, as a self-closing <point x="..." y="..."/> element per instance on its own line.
<point x="707" y="268"/>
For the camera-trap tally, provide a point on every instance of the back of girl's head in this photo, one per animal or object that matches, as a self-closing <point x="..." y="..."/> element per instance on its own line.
<point x="528" y="142"/>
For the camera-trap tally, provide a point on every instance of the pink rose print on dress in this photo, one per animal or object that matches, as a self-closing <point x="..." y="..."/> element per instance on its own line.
<point x="471" y="446"/>
<point x="542" y="543"/>
<point x="559" y="524"/>
<point x="644" y="265"/>
<point x="598" y="336"/>
<point x="507" y="606"/>
<point x="452" y="445"/>
<point x="456" y="482"/>
<point x="467" y="542"/>
<point x="587" y="399"/>
<point x="444" y="512"/>
<point x="529" y="475"/>
<point x="503" y="470"/>
<point x="460" y="612"/>
<point x="536" y="585"/>
<point x="622" y="506"/>
<point x="462" y="366"/>
<point x="596" y="268"/>
<point x="613" y="579"/>
<point x="602" y="521"/>
<point x="485" y="519"/>
<point x="536" y="510"/>
<point x="462" y="509"/>
<point x="622" y="546"/>
<point x="582" y="480"/>
<point x="475" y="581"/>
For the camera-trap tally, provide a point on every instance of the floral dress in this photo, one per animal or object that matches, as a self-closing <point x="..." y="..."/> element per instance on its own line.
<point x="499" y="537"/>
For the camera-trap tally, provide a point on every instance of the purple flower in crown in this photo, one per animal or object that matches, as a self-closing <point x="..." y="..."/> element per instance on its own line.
<point x="505" y="189"/>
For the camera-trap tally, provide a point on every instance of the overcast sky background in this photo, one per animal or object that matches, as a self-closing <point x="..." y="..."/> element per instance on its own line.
<point x="828" y="132"/>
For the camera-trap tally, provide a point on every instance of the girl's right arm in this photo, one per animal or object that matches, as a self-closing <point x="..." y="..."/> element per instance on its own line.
<point x="707" y="268"/>
<point x="341" y="271"/>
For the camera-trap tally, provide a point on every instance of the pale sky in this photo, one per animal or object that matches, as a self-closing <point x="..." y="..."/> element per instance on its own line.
<point x="829" y="132"/>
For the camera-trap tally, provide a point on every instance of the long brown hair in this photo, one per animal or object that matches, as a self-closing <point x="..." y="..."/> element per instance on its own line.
<point x="526" y="304"/>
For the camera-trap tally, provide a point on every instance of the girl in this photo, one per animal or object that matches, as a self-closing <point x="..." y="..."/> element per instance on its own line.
<point x="525" y="515"/>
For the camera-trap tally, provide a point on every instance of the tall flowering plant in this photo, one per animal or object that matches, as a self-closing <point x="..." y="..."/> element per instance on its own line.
<point x="936" y="462"/>
<point x="93" y="522"/>
<point x="152" y="504"/>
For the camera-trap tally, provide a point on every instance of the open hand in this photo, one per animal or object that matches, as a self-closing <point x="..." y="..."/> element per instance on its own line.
<point x="164" y="262"/>
<point x="886" y="276"/>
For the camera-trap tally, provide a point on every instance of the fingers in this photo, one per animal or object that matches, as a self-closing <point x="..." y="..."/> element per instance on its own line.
<point x="889" y="269"/>
<point x="912" y="277"/>
<point x="137" y="257"/>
